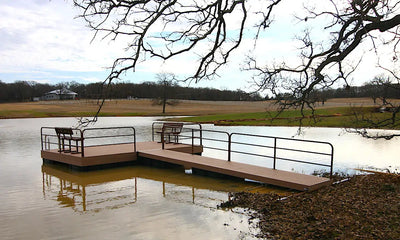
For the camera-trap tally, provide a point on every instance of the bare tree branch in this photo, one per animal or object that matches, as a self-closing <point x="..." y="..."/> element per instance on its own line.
<point x="350" y="25"/>
<point x="213" y="30"/>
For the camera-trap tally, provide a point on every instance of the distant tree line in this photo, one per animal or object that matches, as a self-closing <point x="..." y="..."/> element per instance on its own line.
<point x="22" y="91"/>
<point x="367" y="91"/>
<point x="379" y="88"/>
<point x="28" y="90"/>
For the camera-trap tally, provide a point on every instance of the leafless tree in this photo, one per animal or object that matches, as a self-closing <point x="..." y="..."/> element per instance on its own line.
<point x="351" y="25"/>
<point x="214" y="29"/>
<point x="166" y="80"/>
<point x="385" y="90"/>
<point x="166" y="29"/>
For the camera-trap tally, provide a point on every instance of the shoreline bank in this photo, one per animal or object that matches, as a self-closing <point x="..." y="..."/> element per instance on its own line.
<point x="363" y="207"/>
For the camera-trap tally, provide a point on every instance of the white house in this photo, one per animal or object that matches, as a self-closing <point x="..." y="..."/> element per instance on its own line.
<point x="60" y="94"/>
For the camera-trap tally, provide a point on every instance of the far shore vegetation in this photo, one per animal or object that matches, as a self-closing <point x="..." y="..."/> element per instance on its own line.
<point x="334" y="113"/>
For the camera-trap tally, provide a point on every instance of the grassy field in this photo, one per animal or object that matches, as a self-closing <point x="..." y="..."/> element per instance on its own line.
<point x="141" y="107"/>
<point x="334" y="113"/>
<point x="324" y="117"/>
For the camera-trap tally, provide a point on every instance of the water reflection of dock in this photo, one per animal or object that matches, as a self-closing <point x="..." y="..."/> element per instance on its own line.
<point x="182" y="147"/>
<point x="72" y="189"/>
<point x="116" y="188"/>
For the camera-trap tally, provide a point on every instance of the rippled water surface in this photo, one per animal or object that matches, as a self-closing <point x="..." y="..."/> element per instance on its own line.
<point x="51" y="202"/>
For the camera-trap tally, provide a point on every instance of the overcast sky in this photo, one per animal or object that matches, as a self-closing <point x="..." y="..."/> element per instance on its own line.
<point x="42" y="41"/>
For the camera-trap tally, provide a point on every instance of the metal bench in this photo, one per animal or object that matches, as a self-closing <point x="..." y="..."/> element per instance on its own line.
<point x="169" y="130"/>
<point x="68" y="134"/>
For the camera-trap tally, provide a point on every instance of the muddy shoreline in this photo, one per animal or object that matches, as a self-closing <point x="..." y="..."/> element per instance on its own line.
<point x="361" y="207"/>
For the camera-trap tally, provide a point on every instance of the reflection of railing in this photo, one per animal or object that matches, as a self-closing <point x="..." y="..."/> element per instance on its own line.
<point x="114" y="135"/>
<point x="275" y="146"/>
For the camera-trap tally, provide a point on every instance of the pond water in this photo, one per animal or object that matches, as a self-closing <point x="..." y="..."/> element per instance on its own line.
<point x="351" y="151"/>
<point x="136" y="202"/>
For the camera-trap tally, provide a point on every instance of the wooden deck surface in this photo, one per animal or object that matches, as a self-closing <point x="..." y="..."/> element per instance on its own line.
<point x="280" y="178"/>
<point x="110" y="154"/>
<point x="179" y="154"/>
<point x="129" y="148"/>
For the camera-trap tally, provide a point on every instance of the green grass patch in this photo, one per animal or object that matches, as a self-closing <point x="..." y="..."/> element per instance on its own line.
<point x="265" y="115"/>
<point x="327" y="117"/>
<point x="234" y="116"/>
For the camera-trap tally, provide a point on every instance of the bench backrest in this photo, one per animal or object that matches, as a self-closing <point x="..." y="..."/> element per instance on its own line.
<point x="64" y="131"/>
<point x="172" y="127"/>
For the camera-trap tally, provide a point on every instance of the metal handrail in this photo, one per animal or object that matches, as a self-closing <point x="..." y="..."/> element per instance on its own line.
<point x="48" y="136"/>
<point x="296" y="150"/>
<point x="275" y="147"/>
<point x="112" y="136"/>
<point x="46" y="143"/>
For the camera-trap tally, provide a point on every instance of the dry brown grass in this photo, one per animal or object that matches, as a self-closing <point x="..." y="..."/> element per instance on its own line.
<point x="141" y="107"/>
<point x="144" y="107"/>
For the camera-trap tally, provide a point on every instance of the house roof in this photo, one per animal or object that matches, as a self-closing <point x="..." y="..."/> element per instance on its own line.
<point x="63" y="91"/>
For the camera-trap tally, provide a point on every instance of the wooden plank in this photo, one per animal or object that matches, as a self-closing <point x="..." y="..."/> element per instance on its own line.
<point x="179" y="154"/>
<point x="266" y="175"/>
<point x="77" y="160"/>
<point x="110" y="154"/>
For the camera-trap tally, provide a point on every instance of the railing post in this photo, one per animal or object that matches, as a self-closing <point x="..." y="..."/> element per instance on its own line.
<point x="134" y="138"/>
<point x="201" y="135"/>
<point x="331" y="172"/>
<point x="82" y="145"/>
<point x="162" y="138"/>
<point x="152" y="131"/>
<point x="229" y="146"/>
<point x="192" y="141"/>
<point x="274" y="153"/>
<point x="41" y="138"/>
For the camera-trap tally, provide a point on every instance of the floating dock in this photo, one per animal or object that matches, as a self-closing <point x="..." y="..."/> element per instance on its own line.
<point x="111" y="154"/>
<point x="186" y="155"/>
<point x="275" y="177"/>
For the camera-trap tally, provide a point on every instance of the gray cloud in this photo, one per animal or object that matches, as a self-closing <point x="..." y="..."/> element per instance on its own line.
<point x="11" y="40"/>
